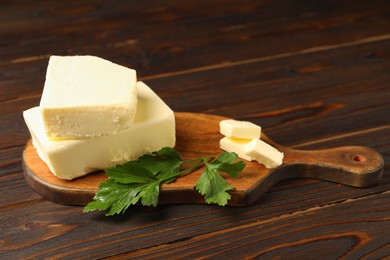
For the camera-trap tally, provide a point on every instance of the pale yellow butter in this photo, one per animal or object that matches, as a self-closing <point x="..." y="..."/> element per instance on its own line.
<point x="239" y="129"/>
<point x="87" y="96"/>
<point x="235" y="145"/>
<point x="242" y="137"/>
<point x="264" y="153"/>
<point x="152" y="129"/>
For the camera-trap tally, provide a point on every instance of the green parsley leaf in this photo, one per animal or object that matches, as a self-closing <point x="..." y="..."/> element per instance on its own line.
<point x="211" y="184"/>
<point x="114" y="197"/>
<point x="213" y="187"/>
<point x="149" y="195"/>
<point x="165" y="163"/>
<point x="130" y="172"/>
<point x="223" y="163"/>
<point x="140" y="180"/>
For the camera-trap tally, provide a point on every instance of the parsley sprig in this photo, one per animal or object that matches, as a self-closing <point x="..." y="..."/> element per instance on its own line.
<point x="140" y="180"/>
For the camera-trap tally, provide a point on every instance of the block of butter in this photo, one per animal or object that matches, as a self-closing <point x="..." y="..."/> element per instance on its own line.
<point x="264" y="153"/>
<point x="253" y="149"/>
<point x="87" y="96"/>
<point x="152" y="129"/>
<point x="235" y="145"/>
<point x="239" y="129"/>
<point x="242" y="137"/>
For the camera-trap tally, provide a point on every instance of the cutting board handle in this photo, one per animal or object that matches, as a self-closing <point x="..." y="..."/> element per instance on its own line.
<point x="356" y="166"/>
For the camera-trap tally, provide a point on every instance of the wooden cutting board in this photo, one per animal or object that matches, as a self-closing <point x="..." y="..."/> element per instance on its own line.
<point x="198" y="135"/>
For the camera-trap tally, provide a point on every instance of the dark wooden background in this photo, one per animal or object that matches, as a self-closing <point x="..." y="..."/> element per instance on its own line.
<point x="315" y="74"/>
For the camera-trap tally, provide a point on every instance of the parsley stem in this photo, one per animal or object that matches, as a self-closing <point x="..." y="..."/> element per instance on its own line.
<point x="193" y="167"/>
<point x="200" y="162"/>
<point x="198" y="159"/>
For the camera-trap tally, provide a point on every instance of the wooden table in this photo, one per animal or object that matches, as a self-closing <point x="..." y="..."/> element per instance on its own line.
<point x="314" y="74"/>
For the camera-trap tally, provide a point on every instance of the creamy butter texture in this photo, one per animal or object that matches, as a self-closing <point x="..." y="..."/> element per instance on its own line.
<point x="264" y="153"/>
<point x="87" y="96"/>
<point x="239" y="129"/>
<point x="152" y="129"/>
<point x="242" y="137"/>
<point x="235" y="145"/>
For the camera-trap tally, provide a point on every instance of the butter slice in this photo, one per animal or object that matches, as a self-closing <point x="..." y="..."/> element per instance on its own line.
<point x="264" y="153"/>
<point x="239" y="129"/>
<point x="153" y="128"/>
<point x="235" y="145"/>
<point x="87" y="96"/>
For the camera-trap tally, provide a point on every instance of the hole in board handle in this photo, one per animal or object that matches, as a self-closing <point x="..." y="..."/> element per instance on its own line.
<point x="359" y="158"/>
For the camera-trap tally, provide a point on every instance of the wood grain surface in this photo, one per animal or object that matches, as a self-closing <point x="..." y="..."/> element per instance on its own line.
<point x="198" y="135"/>
<point x="314" y="74"/>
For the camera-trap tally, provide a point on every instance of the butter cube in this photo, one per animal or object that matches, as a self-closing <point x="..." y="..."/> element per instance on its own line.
<point x="153" y="128"/>
<point x="239" y="129"/>
<point x="87" y="96"/>
<point x="264" y="153"/>
<point x="235" y="145"/>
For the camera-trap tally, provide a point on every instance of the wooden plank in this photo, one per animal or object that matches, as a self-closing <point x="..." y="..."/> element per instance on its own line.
<point x="11" y="170"/>
<point x="16" y="106"/>
<point x="12" y="154"/>
<point x="287" y="102"/>
<point x="176" y="37"/>
<point x="13" y="186"/>
<point x="281" y="123"/>
<point x="169" y="229"/>
<point x="10" y="160"/>
<point x="15" y="133"/>
<point x="327" y="86"/>
<point x="352" y="231"/>
<point x="285" y="124"/>
<point x="186" y="24"/>
<point x="292" y="97"/>
<point x="171" y="223"/>
<point x="15" y="190"/>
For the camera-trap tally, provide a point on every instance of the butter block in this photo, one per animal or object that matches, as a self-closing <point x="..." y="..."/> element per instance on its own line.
<point x="264" y="153"/>
<point x="239" y="129"/>
<point x="152" y="129"/>
<point x="235" y="145"/>
<point x="87" y="96"/>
